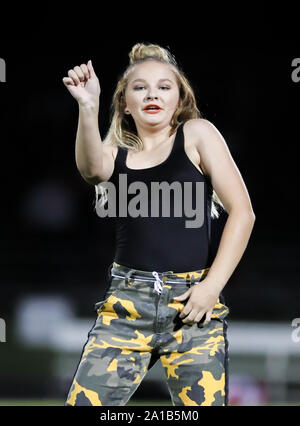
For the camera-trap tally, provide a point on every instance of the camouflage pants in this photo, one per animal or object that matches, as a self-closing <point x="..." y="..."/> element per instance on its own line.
<point x="137" y="324"/>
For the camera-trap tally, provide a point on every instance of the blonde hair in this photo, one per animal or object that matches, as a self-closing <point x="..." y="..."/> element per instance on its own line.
<point x="122" y="131"/>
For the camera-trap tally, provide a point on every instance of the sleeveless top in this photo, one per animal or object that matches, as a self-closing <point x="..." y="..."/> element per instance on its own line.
<point x="163" y="243"/>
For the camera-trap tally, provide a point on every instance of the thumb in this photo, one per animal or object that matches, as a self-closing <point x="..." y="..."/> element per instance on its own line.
<point x="183" y="296"/>
<point x="91" y="68"/>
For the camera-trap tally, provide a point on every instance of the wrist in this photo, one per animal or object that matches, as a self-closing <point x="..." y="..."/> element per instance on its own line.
<point x="88" y="106"/>
<point x="212" y="285"/>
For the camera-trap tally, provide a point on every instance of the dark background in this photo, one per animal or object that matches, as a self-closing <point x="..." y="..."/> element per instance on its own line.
<point x="239" y="64"/>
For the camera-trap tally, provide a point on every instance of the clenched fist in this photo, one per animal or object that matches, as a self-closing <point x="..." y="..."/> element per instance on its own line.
<point x="83" y="84"/>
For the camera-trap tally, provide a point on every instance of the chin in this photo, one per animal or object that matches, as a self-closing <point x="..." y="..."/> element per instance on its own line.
<point x="155" y="118"/>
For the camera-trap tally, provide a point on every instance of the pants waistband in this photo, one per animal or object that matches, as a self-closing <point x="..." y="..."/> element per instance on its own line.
<point x="158" y="278"/>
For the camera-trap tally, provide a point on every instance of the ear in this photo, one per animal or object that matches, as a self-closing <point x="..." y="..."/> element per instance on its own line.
<point x="123" y="105"/>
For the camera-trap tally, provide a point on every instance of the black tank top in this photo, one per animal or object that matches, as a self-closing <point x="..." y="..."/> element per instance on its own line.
<point x="163" y="243"/>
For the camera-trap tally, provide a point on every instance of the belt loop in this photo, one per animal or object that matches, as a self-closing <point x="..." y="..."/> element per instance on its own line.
<point x="109" y="270"/>
<point x="164" y="276"/>
<point x="192" y="280"/>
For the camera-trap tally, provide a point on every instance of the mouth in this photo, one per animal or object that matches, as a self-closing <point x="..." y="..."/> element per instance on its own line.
<point x="152" y="109"/>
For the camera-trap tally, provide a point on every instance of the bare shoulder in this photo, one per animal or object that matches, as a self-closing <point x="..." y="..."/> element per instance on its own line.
<point x="198" y="133"/>
<point x="217" y="162"/>
<point x="205" y="136"/>
<point x="197" y="128"/>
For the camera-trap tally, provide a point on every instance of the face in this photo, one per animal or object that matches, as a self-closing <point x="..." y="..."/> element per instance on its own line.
<point x="151" y="83"/>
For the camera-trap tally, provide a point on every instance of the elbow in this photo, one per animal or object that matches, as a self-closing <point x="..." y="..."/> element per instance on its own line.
<point x="247" y="214"/>
<point x="91" y="178"/>
<point x="250" y="218"/>
<point x="245" y="219"/>
<point x="252" y="215"/>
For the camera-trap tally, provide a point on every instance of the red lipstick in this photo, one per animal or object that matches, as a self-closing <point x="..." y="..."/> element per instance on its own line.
<point x="152" y="109"/>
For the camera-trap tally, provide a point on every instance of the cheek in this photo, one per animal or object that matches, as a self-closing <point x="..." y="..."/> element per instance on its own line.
<point x="133" y="103"/>
<point x="173" y="101"/>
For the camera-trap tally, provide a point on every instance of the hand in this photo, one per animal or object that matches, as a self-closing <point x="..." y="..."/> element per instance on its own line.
<point x="83" y="84"/>
<point x="202" y="299"/>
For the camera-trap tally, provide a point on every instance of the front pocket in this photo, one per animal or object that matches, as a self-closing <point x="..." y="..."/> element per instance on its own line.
<point x="99" y="305"/>
<point x="114" y="285"/>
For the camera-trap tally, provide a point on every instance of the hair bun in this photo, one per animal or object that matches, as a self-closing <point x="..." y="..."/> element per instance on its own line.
<point x="141" y="51"/>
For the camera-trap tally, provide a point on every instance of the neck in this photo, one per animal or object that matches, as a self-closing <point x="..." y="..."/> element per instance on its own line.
<point x="152" y="137"/>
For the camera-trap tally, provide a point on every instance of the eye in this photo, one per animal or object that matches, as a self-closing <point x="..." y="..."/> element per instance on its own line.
<point x="139" y="87"/>
<point x="165" y="87"/>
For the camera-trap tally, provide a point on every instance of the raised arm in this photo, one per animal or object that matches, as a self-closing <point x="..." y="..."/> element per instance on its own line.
<point x="94" y="161"/>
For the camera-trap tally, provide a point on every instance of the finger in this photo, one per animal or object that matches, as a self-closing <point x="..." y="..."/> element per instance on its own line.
<point x="209" y="314"/>
<point x="183" y="296"/>
<point x="186" y="310"/>
<point x="85" y="71"/>
<point x="191" y="317"/>
<point x="68" y="81"/>
<point x="208" y="317"/>
<point x="199" y="316"/>
<point x="72" y="74"/>
<point x="79" y="72"/>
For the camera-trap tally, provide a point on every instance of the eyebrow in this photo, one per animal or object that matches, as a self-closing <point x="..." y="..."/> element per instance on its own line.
<point x="161" y="79"/>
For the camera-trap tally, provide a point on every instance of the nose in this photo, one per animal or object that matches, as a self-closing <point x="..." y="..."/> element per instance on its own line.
<point x="151" y="95"/>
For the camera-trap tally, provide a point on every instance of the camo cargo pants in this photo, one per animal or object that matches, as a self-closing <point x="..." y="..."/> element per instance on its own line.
<point x="137" y="324"/>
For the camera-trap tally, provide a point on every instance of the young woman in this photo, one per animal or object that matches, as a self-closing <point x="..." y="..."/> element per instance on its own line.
<point x="164" y="292"/>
